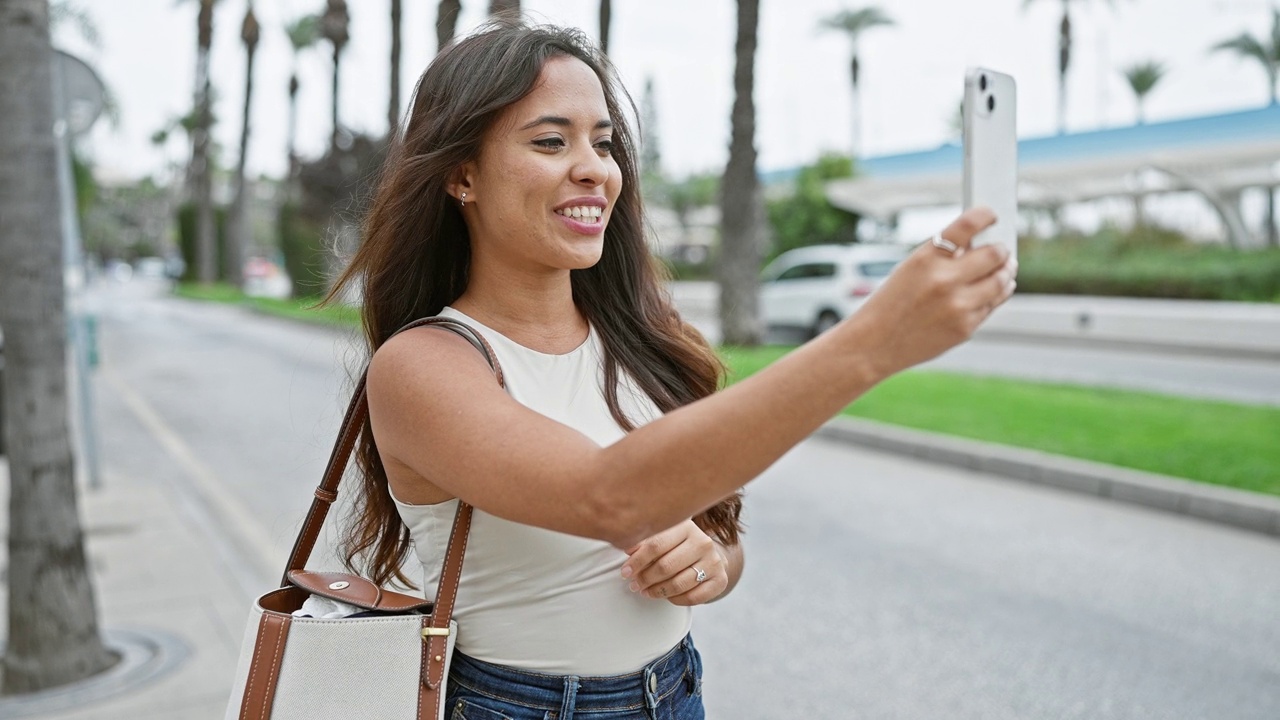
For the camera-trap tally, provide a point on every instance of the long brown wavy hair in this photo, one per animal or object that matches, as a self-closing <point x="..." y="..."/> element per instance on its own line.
<point x="415" y="258"/>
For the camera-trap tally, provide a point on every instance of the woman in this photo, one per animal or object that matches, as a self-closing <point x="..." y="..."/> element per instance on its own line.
<point x="606" y="477"/>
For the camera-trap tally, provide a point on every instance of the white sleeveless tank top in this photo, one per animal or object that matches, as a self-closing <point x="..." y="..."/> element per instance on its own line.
<point x="536" y="599"/>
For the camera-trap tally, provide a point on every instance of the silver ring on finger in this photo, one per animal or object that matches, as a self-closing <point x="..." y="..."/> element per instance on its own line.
<point x="700" y="575"/>
<point x="944" y="244"/>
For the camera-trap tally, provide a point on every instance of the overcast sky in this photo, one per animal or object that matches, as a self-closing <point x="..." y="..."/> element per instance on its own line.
<point x="911" y="73"/>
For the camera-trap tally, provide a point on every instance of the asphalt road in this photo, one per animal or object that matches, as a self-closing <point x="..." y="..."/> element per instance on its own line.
<point x="877" y="587"/>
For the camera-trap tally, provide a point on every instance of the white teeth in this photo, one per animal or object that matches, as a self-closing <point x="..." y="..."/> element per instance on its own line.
<point x="584" y="212"/>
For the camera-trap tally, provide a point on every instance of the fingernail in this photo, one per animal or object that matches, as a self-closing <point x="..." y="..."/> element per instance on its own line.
<point x="635" y="587"/>
<point x="626" y="571"/>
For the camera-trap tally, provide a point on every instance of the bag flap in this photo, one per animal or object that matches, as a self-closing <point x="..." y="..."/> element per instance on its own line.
<point x="355" y="590"/>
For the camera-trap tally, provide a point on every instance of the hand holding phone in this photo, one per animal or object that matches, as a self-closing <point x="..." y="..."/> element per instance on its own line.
<point x="991" y="153"/>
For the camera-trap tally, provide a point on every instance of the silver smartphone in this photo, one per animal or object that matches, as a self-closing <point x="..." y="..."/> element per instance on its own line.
<point x="991" y="153"/>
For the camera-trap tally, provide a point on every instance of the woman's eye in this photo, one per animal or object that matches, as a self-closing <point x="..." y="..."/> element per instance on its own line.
<point x="553" y="143"/>
<point x="606" y="146"/>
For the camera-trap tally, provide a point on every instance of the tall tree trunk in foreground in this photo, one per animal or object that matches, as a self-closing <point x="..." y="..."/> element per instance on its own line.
<point x="53" y="635"/>
<point x="741" y="209"/>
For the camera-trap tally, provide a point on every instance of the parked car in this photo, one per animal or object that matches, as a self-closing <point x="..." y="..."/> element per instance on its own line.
<point x="813" y="288"/>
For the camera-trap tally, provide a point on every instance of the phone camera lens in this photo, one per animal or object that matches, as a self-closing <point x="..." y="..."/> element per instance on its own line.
<point x="982" y="82"/>
<point x="991" y="102"/>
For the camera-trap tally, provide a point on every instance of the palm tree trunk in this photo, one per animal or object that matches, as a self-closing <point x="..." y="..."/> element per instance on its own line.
<point x="446" y="21"/>
<point x="1273" y="234"/>
<point x="333" y="136"/>
<point x="201" y="182"/>
<point x="606" y="17"/>
<point x="293" y="127"/>
<point x="393" y="108"/>
<point x="741" y="209"/>
<point x="53" y="635"/>
<point x="1064" y="62"/>
<point x="855" y="150"/>
<point x="238" y="232"/>
<point x="499" y="7"/>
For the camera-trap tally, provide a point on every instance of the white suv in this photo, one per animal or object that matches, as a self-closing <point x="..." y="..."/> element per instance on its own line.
<point x="815" y="287"/>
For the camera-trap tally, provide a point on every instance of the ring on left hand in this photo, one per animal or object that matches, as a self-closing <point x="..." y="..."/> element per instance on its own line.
<point x="701" y="575"/>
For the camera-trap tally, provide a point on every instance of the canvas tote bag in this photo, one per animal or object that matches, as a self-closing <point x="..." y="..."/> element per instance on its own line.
<point x="392" y="664"/>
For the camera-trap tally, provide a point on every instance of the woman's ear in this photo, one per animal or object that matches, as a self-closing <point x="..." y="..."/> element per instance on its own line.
<point x="460" y="181"/>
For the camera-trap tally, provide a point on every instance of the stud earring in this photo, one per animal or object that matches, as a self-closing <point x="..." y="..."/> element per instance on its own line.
<point x="464" y="199"/>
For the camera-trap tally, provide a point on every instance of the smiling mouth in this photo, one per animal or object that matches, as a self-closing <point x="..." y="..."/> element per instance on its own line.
<point x="583" y="213"/>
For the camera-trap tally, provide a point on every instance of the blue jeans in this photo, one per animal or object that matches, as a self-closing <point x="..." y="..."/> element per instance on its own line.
<point x="669" y="688"/>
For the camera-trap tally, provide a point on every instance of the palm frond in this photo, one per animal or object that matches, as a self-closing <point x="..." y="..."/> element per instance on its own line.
<point x="1245" y="45"/>
<point x="303" y="32"/>
<point x="1143" y="76"/>
<point x="855" y="22"/>
<point x="1275" y="34"/>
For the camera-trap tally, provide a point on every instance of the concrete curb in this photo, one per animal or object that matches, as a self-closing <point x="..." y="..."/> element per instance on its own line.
<point x="1226" y="506"/>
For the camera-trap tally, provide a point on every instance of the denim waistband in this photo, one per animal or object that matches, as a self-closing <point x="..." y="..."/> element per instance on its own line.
<point x="645" y="688"/>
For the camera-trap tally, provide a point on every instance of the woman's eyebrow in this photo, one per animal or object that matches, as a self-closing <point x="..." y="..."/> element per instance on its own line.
<point x="564" y="122"/>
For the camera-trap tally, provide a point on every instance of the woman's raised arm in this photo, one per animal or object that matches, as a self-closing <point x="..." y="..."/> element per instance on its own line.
<point x="464" y="436"/>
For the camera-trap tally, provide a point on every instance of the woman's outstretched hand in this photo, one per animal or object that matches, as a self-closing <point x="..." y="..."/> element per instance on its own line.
<point x="682" y="564"/>
<point x="936" y="298"/>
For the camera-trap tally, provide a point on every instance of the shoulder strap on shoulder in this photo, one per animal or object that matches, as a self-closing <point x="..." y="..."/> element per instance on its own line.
<point x="352" y="423"/>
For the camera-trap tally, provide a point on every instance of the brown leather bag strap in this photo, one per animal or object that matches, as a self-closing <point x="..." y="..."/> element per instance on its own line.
<point x="352" y="424"/>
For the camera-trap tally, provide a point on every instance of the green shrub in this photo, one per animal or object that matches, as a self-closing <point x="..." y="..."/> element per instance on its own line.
<point x="305" y="257"/>
<point x="1147" y="262"/>
<point x="187" y="241"/>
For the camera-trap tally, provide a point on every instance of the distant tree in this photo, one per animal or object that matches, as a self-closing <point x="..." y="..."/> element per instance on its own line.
<point x="237" y="233"/>
<point x="446" y="21"/>
<point x="1142" y="78"/>
<point x="1266" y="51"/>
<point x="606" y="17"/>
<point x="335" y="26"/>
<point x="741" y="209"/>
<point x="393" y="106"/>
<point x="504" y="7"/>
<point x="303" y="33"/>
<point x="53" y="635"/>
<point x="805" y="217"/>
<point x="650" y="140"/>
<point x="854" y="23"/>
<point x="1064" y="57"/>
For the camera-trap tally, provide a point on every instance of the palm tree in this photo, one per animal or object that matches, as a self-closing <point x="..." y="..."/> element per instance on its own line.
<point x="303" y="33"/>
<point x="335" y="26"/>
<point x="1064" y="58"/>
<point x="237" y="237"/>
<point x="393" y="107"/>
<point x="1142" y="79"/>
<point x="53" y="634"/>
<point x="854" y="23"/>
<point x="1267" y="53"/>
<point x="446" y="21"/>
<point x="504" y="7"/>
<point x="200" y="179"/>
<point x="741" y="207"/>
<point x="606" y="17"/>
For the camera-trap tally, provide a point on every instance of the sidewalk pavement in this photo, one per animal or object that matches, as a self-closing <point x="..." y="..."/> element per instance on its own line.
<point x="166" y="591"/>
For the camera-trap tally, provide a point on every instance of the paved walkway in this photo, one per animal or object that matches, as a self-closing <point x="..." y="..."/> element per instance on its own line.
<point x="158" y="567"/>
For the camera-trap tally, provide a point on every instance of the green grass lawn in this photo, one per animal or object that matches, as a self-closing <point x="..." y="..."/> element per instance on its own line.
<point x="1213" y="442"/>
<point x="295" y="309"/>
